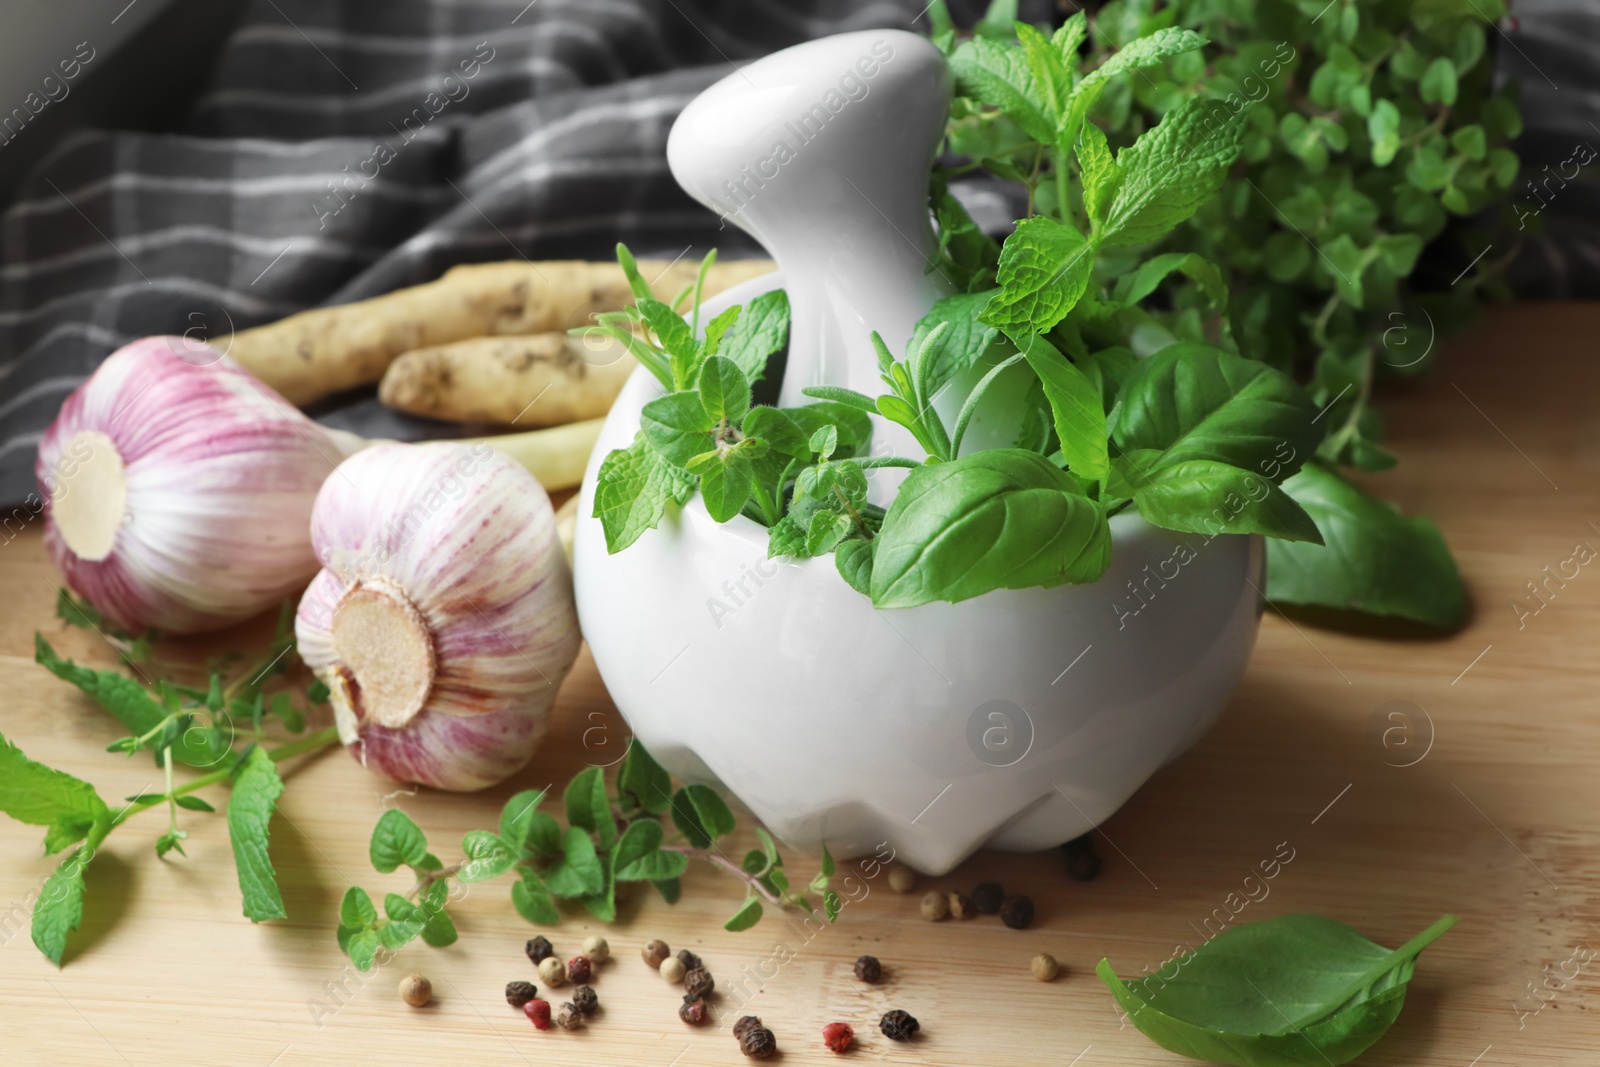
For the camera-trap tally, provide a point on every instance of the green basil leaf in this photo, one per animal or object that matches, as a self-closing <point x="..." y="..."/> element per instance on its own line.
<point x="997" y="519"/>
<point x="1197" y="402"/>
<point x="762" y="330"/>
<point x="1204" y="496"/>
<point x="1285" y="992"/>
<point x="1044" y="270"/>
<point x="487" y="856"/>
<point x="396" y="842"/>
<point x="256" y="789"/>
<point x="1080" y="420"/>
<point x="1375" y="559"/>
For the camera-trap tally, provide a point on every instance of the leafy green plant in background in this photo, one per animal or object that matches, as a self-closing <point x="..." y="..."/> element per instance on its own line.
<point x="1289" y="991"/>
<point x="1367" y="126"/>
<point x="220" y="729"/>
<point x="614" y="835"/>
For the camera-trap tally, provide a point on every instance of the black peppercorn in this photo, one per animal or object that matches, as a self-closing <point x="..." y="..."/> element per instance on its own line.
<point x="758" y="1043"/>
<point x="868" y="969"/>
<point x="1017" y="912"/>
<point x="745" y="1023"/>
<point x="519" y="993"/>
<point x="693" y="1012"/>
<point x="987" y="897"/>
<point x="539" y="949"/>
<point x="898" y="1025"/>
<point x="697" y="983"/>
<point x="1083" y="862"/>
<point x="585" y="1000"/>
<point x="689" y="960"/>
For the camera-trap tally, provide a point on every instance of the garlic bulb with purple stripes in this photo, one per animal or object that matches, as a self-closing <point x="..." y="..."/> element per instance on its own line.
<point x="443" y="620"/>
<point x="177" y="489"/>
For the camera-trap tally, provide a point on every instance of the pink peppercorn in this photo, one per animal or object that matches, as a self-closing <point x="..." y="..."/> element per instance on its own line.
<point x="837" y="1036"/>
<point x="538" y="1012"/>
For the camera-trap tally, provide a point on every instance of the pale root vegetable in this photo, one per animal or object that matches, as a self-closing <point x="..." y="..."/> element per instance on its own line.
<point x="567" y="524"/>
<point x="556" y="456"/>
<point x="316" y="353"/>
<point x="546" y="379"/>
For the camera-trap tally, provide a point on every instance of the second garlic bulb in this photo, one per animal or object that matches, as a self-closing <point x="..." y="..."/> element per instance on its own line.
<point x="442" y="621"/>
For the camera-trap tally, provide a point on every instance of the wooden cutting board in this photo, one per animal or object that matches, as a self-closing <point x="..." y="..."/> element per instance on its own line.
<point x="1496" y="818"/>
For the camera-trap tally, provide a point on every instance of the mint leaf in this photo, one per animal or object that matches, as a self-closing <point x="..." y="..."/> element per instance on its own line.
<point x="440" y="929"/>
<point x="631" y="493"/>
<point x="1132" y="288"/>
<point x="670" y="328"/>
<point x="589" y="807"/>
<point x="516" y="818"/>
<point x="998" y="75"/>
<point x="854" y="561"/>
<point x="532" y="900"/>
<point x="1171" y="170"/>
<point x="1144" y="52"/>
<point x="397" y="841"/>
<point x="1374" y="560"/>
<point x="677" y="426"/>
<point x="38" y="795"/>
<point x="1100" y="175"/>
<point x="406" y="921"/>
<point x="1044" y="270"/>
<point x="718" y="327"/>
<point x="748" y="915"/>
<point x="701" y="815"/>
<point x="356" y="909"/>
<point x="487" y="857"/>
<point x="580" y="873"/>
<point x="724" y="391"/>
<point x="1080" y="420"/>
<point x="59" y="909"/>
<point x="638" y="857"/>
<point x="997" y="519"/>
<point x="256" y="789"/>
<point x="726" y="480"/>
<point x="1205" y="496"/>
<point x="762" y="330"/>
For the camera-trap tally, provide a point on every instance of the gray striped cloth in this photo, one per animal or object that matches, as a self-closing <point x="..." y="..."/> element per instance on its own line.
<point x="346" y="148"/>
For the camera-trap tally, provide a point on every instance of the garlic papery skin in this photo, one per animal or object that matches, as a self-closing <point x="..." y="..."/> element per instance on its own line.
<point x="178" y="490"/>
<point x="443" y="620"/>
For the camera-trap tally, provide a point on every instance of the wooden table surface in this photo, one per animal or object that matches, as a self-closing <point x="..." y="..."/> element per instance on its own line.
<point x="1497" y="820"/>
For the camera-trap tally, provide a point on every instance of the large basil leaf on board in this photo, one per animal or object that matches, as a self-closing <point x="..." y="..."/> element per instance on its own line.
<point x="1198" y="402"/>
<point x="1374" y="559"/>
<point x="1003" y="518"/>
<point x="1287" y="992"/>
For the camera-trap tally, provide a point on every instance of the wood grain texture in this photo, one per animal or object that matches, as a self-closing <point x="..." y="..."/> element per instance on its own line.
<point x="1498" y="823"/>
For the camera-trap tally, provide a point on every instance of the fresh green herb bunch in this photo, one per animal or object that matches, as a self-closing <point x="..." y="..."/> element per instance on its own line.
<point x="221" y="730"/>
<point x="613" y="835"/>
<point x="1195" y="437"/>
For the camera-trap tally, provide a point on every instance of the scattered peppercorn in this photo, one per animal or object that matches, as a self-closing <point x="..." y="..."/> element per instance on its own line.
<point x="746" y="1022"/>
<point x="935" y="906"/>
<point x="552" y="972"/>
<point x="538" y="1013"/>
<point x="902" y="879"/>
<point x="579" y="969"/>
<point x="868" y="969"/>
<point x="898" y="1025"/>
<point x="697" y="982"/>
<point x="693" y="1012"/>
<point x="1045" y="967"/>
<point x="596" y="949"/>
<point x="987" y="897"/>
<point x="568" y="1017"/>
<point x="961" y="906"/>
<point x="539" y="950"/>
<point x="689" y="960"/>
<point x="1083" y="862"/>
<point x="758" y="1043"/>
<point x="673" y="970"/>
<point x="585" y="1000"/>
<point x="416" y="990"/>
<point x="519" y="993"/>
<point x="836" y="1037"/>
<point x="1016" y="912"/>
<point x="654" y="953"/>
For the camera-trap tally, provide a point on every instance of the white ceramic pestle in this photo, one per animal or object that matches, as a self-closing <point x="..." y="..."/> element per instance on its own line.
<point x="1018" y="719"/>
<point x="821" y="152"/>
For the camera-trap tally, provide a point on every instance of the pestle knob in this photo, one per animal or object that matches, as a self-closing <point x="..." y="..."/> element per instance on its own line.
<point x="821" y="152"/>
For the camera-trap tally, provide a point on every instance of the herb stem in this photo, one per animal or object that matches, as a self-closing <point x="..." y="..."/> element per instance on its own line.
<point x="310" y="743"/>
<point x="716" y="859"/>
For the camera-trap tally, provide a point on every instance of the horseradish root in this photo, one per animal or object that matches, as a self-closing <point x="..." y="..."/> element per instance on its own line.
<point x="442" y="621"/>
